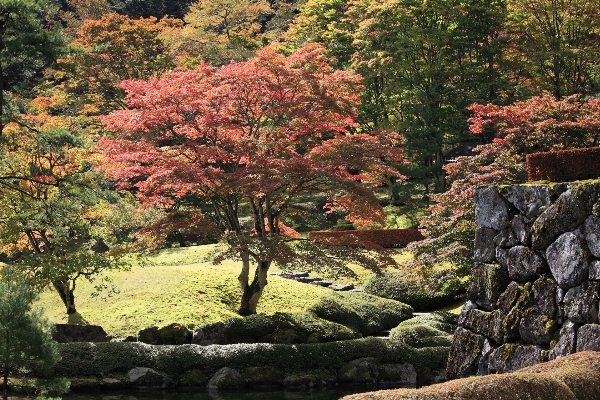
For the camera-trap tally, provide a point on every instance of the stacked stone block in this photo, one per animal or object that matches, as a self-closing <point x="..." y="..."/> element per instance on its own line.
<point x="535" y="291"/>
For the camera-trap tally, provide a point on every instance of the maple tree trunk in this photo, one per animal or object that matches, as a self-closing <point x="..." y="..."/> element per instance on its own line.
<point x="66" y="295"/>
<point x="251" y="292"/>
<point x="5" y="383"/>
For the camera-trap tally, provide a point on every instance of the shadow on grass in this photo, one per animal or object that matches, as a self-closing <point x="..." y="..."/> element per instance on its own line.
<point x="77" y="319"/>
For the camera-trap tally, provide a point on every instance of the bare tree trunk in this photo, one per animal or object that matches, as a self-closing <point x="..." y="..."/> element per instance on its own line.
<point x="252" y="293"/>
<point x="5" y="383"/>
<point x="66" y="294"/>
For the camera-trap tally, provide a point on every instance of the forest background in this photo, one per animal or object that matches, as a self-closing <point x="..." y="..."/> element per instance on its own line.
<point x="515" y="76"/>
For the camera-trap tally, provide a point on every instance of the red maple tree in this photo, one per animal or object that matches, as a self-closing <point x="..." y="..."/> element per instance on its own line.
<point x="248" y="139"/>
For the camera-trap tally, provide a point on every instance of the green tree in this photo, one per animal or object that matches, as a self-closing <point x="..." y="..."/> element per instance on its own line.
<point x="26" y="48"/>
<point x="48" y="205"/>
<point x="24" y="340"/>
<point x="557" y="43"/>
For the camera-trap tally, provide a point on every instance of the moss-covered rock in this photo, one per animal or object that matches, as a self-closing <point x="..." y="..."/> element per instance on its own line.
<point x="174" y="334"/>
<point x="362" y="312"/>
<point x="226" y="379"/>
<point x="422" y="295"/>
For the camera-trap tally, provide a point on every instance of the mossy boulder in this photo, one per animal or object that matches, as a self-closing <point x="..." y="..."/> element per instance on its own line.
<point x="226" y="379"/>
<point x="428" y="330"/>
<point x="422" y="295"/>
<point x="174" y="334"/>
<point x="362" y="312"/>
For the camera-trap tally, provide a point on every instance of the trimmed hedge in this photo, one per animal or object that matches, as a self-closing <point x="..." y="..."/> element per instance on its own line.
<point x="387" y="238"/>
<point x="102" y="360"/>
<point x="415" y="292"/>
<point x="429" y="330"/>
<point x="564" y="165"/>
<point x="361" y="312"/>
<point x="285" y="328"/>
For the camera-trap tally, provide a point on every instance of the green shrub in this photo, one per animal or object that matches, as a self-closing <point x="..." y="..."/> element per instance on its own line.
<point x="429" y="330"/>
<point x="287" y="328"/>
<point x="179" y="362"/>
<point x="361" y="312"/>
<point x="423" y="295"/>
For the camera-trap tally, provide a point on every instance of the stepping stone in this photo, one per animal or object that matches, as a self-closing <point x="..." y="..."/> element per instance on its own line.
<point x="321" y="283"/>
<point x="339" y="287"/>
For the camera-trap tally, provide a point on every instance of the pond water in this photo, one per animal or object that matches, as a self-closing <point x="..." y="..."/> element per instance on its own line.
<point x="317" y="394"/>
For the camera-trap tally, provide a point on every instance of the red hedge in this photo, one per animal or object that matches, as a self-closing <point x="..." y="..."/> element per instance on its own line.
<point x="383" y="237"/>
<point x="564" y="165"/>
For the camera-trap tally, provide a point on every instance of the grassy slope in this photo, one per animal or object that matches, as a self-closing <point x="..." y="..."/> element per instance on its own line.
<point x="180" y="287"/>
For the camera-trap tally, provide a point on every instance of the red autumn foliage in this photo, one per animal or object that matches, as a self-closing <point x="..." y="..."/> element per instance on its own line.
<point x="386" y="238"/>
<point x="565" y="165"/>
<point x="250" y="139"/>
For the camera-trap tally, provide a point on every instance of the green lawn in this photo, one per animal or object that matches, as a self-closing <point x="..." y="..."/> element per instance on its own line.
<point x="178" y="286"/>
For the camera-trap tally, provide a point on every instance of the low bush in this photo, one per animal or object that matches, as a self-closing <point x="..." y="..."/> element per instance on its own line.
<point x="429" y="330"/>
<point x="422" y="294"/>
<point x="361" y="312"/>
<point x="114" y="359"/>
<point x="299" y="327"/>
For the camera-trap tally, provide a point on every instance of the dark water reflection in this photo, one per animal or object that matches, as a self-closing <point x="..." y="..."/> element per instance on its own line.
<point x="318" y="394"/>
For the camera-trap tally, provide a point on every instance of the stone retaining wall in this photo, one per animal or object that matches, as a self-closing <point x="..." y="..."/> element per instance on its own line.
<point x="535" y="290"/>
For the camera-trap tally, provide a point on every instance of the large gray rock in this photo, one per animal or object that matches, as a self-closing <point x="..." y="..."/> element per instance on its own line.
<point x="508" y="299"/>
<point x="502" y="256"/>
<point x="488" y="324"/>
<point x="529" y="200"/>
<point x="226" y="378"/>
<point x="362" y="371"/>
<point x="525" y="264"/>
<point x="569" y="260"/>
<point x="506" y="239"/>
<point x="567" y="340"/>
<point x="511" y="357"/>
<point x="592" y="234"/>
<point x="522" y="229"/>
<point x="544" y="296"/>
<point x="595" y="270"/>
<point x="147" y="377"/>
<point x="485" y="358"/>
<point x="214" y="333"/>
<point x="581" y="303"/>
<point x="465" y="353"/>
<point x="485" y="250"/>
<point x="565" y="214"/>
<point x="67" y="333"/>
<point x="487" y="283"/>
<point x="536" y="328"/>
<point x="490" y="209"/>
<point x="469" y="305"/>
<point x="588" y="338"/>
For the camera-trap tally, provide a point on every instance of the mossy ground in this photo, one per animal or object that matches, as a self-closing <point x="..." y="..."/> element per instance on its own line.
<point x="180" y="285"/>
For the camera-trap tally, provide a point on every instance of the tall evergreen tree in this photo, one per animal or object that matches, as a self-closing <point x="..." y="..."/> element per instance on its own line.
<point x="26" y="48"/>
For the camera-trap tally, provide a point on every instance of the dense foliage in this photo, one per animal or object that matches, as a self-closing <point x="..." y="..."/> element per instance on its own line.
<point x="204" y="142"/>
<point x="252" y="136"/>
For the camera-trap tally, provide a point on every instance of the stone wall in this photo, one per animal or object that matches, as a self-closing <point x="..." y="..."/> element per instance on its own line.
<point x="534" y="295"/>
